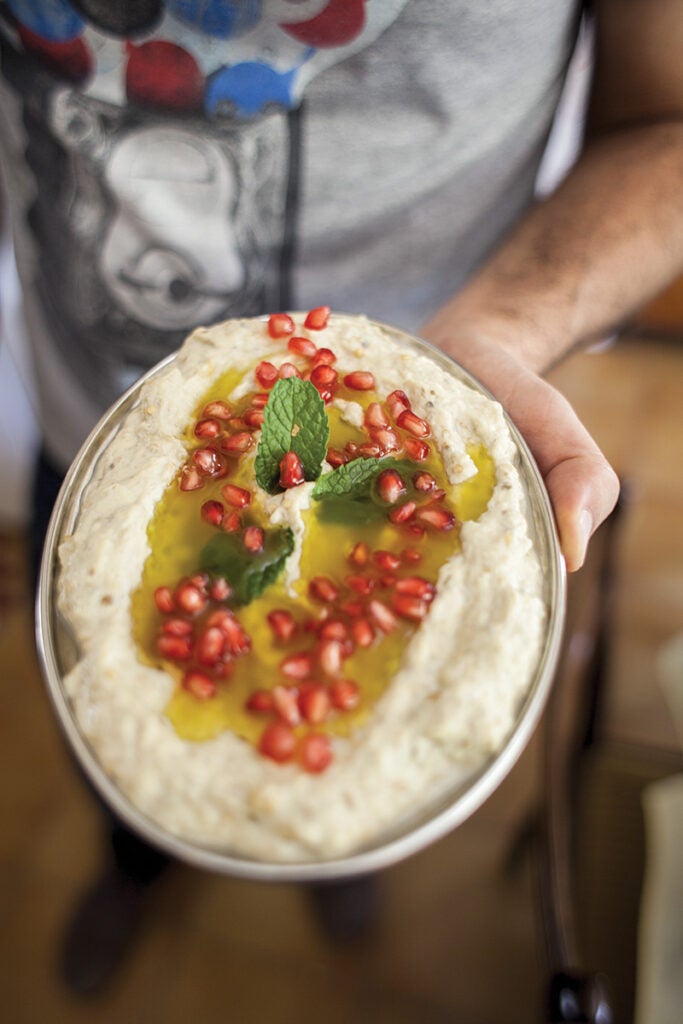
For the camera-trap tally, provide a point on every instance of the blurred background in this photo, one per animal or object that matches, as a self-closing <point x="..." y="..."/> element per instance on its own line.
<point x="467" y="931"/>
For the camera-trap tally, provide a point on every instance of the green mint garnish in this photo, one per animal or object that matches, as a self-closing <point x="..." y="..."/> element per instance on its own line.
<point x="355" y="479"/>
<point x="248" y="574"/>
<point x="294" y="420"/>
<point x="348" y="494"/>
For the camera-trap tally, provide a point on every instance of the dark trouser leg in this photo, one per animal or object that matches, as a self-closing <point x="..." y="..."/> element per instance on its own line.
<point x="347" y="908"/>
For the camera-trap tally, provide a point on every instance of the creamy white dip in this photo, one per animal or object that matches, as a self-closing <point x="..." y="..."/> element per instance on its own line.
<point x="463" y="675"/>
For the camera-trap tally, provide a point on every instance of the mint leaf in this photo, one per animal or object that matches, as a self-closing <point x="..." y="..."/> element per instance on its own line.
<point x="248" y="574"/>
<point x="294" y="420"/>
<point x="354" y="480"/>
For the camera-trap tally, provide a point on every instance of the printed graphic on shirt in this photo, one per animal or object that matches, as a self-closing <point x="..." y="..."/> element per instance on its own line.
<point x="162" y="140"/>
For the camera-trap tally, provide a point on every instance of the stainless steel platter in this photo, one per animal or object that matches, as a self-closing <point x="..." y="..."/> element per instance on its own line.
<point x="58" y="652"/>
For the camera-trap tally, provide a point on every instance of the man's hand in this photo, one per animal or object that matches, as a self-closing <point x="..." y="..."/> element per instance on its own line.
<point x="582" y="261"/>
<point x="582" y="485"/>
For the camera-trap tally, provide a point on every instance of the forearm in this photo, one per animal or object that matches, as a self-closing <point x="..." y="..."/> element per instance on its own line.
<point x="585" y="259"/>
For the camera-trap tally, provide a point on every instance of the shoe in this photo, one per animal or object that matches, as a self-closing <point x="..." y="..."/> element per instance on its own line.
<point x="101" y="932"/>
<point x="349" y="909"/>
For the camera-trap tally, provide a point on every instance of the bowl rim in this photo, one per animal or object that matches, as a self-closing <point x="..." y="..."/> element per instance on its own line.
<point x="435" y="820"/>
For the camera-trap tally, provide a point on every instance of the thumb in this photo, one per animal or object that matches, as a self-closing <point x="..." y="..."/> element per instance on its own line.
<point x="582" y="486"/>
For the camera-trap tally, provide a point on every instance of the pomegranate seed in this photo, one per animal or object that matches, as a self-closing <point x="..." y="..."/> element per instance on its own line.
<point x="323" y="589"/>
<point x="210" y="646"/>
<point x="334" y="629"/>
<point x="438" y="495"/>
<point x="278" y="742"/>
<point x="323" y="376"/>
<point x="237" y="497"/>
<point x="220" y="589"/>
<point x="351" y="448"/>
<point x="415" y="530"/>
<point x="297" y="666"/>
<point x="288" y="370"/>
<point x="361" y="584"/>
<point x="221" y="617"/>
<point x="344" y="694"/>
<point x="213" y="512"/>
<point x="237" y="443"/>
<point x="200" y="580"/>
<point x="317" y="319"/>
<point x="254" y="538"/>
<point x="207" y="461"/>
<point x="387" y="580"/>
<point x="291" y="470"/>
<point x="362" y="632"/>
<point x="253" y="418"/>
<point x="201" y="686"/>
<point x="266" y="374"/>
<point x="382" y="616"/>
<point x="177" y="627"/>
<point x="439" y="518"/>
<point x="217" y="410"/>
<point x="330" y="656"/>
<point x="280" y="325"/>
<point x="416" y="449"/>
<point x="302" y="346"/>
<point x="286" y="704"/>
<point x="336" y="457"/>
<point x="260" y="702"/>
<point x="315" y="752"/>
<point x="360" y="554"/>
<point x="369" y="450"/>
<point x="207" y="428"/>
<point x="413" y="424"/>
<point x="397" y="402"/>
<point x="163" y="597"/>
<point x="235" y="423"/>
<point x="314" y="622"/>
<point x="409" y="607"/>
<point x="416" y="586"/>
<point x="324" y="355"/>
<point x="260" y="400"/>
<point x="386" y="438"/>
<point x="386" y="560"/>
<point x="359" y="380"/>
<point x="411" y="555"/>
<point x="190" y="598"/>
<point x="403" y="512"/>
<point x="390" y="486"/>
<point x="237" y="640"/>
<point x="375" y="416"/>
<point x="282" y="624"/>
<point x="190" y="479"/>
<point x="232" y="522"/>
<point x="351" y="608"/>
<point x="174" y="648"/>
<point x="424" y="481"/>
<point x="222" y="670"/>
<point x="314" y="703"/>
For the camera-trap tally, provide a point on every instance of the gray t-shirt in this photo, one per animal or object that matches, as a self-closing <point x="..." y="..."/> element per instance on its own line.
<point x="175" y="163"/>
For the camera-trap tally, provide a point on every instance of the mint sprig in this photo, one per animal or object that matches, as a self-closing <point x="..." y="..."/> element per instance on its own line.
<point x="354" y="480"/>
<point x="294" y="420"/>
<point x="248" y="574"/>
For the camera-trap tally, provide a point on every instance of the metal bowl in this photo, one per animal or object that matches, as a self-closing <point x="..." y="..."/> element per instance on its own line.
<point x="58" y="652"/>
